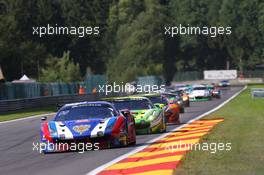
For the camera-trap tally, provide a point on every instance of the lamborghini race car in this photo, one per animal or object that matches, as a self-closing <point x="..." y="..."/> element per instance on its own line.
<point x="149" y="118"/>
<point x="183" y="91"/>
<point x="170" y="105"/>
<point x="173" y="98"/>
<point x="88" y="122"/>
<point x="200" y="93"/>
<point x="182" y="95"/>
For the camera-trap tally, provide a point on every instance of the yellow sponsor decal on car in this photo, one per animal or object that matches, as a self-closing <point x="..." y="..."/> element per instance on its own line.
<point x="81" y="128"/>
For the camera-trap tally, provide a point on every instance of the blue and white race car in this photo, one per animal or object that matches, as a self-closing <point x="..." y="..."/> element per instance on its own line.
<point x="88" y="122"/>
<point x="224" y="83"/>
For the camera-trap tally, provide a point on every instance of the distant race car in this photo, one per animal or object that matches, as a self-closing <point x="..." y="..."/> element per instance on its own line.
<point x="172" y="108"/>
<point x="186" y="99"/>
<point x="149" y="118"/>
<point x="200" y="93"/>
<point x="174" y="98"/>
<point x="180" y="87"/>
<point x="214" y="91"/>
<point x="89" y="122"/>
<point x="186" y="90"/>
<point x="224" y="83"/>
<point x="182" y="96"/>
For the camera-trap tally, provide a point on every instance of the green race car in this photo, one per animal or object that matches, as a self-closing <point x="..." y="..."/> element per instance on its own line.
<point x="149" y="118"/>
<point x="170" y="103"/>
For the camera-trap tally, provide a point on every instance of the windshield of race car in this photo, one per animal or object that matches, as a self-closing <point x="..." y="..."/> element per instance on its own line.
<point x="136" y="104"/>
<point x="82" y="112"/>
<point x="158" y="100"/>
<point x="199" y="88"/>
<point x="179" y="92"/>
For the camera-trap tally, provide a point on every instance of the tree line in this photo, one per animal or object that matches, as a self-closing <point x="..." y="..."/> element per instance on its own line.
<point x="131" y="42"/>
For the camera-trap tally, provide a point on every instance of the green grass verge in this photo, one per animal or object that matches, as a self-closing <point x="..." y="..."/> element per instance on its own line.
<point x="243" y="127"/>
<point x="26" y="113"/>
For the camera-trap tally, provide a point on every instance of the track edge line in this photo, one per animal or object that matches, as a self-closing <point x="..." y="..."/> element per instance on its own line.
<point x="104" y="166"/>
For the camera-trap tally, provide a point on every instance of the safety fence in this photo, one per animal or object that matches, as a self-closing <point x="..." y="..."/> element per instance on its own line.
<point x="92" y="82"/>
<point x="9" y="91"/>
<point x="32" y="90"/>
<point x="253" y="74"/>
<point x="16" y="96"/>
<point x="14" y="105"/>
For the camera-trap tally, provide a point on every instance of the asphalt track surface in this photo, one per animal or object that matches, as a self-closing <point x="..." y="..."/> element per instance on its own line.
<point x="17" y="155"/>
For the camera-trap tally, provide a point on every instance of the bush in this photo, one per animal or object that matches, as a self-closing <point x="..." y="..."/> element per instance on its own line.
<point x="60" y="70"/>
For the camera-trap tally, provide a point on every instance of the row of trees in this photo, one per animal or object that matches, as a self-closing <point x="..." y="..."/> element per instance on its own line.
<point x="22" y="52"/>
<point x="131" y="41"/>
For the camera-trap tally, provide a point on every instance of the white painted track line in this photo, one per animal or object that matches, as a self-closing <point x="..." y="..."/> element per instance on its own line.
<point x="104" y="166"/>
<point x="26" y="118"/>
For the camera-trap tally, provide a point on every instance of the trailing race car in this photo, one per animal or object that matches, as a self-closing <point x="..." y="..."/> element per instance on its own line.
<point x="184" y="91"/>
<point x="170" y="105"/>
<point x="200" y="93"/>
<point x="186" y="99"/>
<point x="149" y="118"/>
<point x="88" y="122"/>
<point x="214" y="91"/>
<point x="224" y="83"/>
<point x="183" y="96"/>
<point x="173" y="98"/>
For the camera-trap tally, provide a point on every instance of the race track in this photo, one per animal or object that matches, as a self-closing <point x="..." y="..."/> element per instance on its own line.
<point x="17" y="156"/>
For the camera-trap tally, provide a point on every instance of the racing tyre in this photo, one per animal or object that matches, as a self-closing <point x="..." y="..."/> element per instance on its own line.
<point x="181" y="110"/>
<point x="164" y="128"/>
<point x="133" y="143"/>
<point x="124" y="140"/>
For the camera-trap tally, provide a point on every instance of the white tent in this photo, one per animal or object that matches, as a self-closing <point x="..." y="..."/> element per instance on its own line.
<point x="24" y="79"/>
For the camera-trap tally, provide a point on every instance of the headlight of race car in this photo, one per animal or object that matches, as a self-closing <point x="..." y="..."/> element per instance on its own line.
<point x="180" y="102"/>
<point x="217" y="92"/>
<point x="152" y="116"/>
<point x="184" y="98"/>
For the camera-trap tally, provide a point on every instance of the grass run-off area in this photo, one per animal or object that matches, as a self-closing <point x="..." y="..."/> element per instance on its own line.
<point x="243" y="127"/>
<point x="26" y="113"/>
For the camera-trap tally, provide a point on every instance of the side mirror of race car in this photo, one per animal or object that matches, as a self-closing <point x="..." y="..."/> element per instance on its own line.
<point x="159" y="105"/>
<point x="44" y="118"/>
<point x="59" y="106"/>
<point x="125" y="112"/>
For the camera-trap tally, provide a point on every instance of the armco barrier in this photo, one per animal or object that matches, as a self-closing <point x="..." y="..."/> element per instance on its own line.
<point x="13" y="105"/>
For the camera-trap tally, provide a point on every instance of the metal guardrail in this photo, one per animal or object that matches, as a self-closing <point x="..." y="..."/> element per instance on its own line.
<point x="13" y="105"/>
<point x="257" y="92"/>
